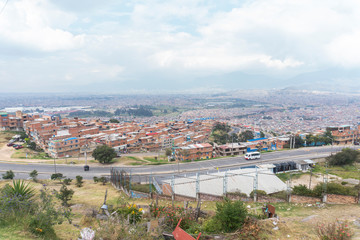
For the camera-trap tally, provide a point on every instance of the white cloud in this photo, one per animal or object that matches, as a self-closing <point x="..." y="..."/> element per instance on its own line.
<point x="345" y="50"/>
<point x="38" y="25"/>
<point x="194" y="37"/>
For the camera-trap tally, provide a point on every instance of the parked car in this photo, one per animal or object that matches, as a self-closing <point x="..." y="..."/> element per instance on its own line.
<point x="18" y="147"/>
<point x="10" y="144"/>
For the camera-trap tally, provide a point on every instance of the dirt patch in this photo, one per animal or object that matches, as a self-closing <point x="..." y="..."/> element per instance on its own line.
<point x="315" y="179"/>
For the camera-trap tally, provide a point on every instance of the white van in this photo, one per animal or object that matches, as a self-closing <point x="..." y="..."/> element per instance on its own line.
<point x="252" y="155"/>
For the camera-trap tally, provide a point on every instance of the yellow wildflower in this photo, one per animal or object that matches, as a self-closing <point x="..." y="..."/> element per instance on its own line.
<point x="134" y="205"/>
<point x="140" y="209"/>
<point x="132" y="212"/>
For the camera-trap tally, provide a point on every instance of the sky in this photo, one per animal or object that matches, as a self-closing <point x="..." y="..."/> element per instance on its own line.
<point x="176" y="45"/>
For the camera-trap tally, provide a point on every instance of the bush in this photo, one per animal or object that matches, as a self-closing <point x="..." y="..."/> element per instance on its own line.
<point x="347" y="156"/>
<point x="57" y="176"/>
<point x="336" y="230"/>
<point x="34" y="175"/>
<point x="230" y="215"/>
<point x="32" y="146"/>
<point x="302" y="190"/>
<point x="131" y="211"/>
<point x="65" y="195"/>
<point x="19" y="189"/>
<point x="67" y="181"/>
<point x="8" y="175"/>
<point x="79" y="181"/>
<point x="335" y="188"/>
<point x="172" y="215"/>
<point x="344" y="183"/>
<point x="258" y="193"/>
<point x="96" y="179"/>
<point x="103" y="180"/>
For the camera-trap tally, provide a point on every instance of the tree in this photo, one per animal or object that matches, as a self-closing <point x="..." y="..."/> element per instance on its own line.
<point x="168" y="152"/>
<point x="32" y="146"/>
<point x="65" y="195"/>
<point x="113" y="120"/>
<point x="234" y="137"/>
<point x="104" y="154"/>
<point x="34" y="175"/>
<point x="262" y="134"/>
<point x="247" y="135"/>
<point x="23" y="135"/>
<point x="347" y="156"/>
<point x="220" y="133"/>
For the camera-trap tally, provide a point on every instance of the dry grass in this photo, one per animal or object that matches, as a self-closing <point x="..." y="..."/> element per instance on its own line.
<point x="5" y="136"/>
<point x="294" y="218"/>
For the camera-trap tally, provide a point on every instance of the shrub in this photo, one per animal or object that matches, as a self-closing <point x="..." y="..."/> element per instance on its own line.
<point x="34" y="175"/>
<point x="344" y="183"/>
<point x="46" y="215"/>
<point x="258" y="193"/>
<point x="347" y="156"/>
<point x="335" y="188"/>
<point x="103" y="180"/>
<point x="132" y="212"/>
<point x="302" y="190"/>
<point x="230" y="215"/>
<point x="67" y="181"/>
<point x="57" y="176"/>
<point x="65" y="195"/>
<point x="96" y="179"/>
<point x="172" y="215"/>
<point x="335" y="230"/>
<point x="8" y="175"/>
<point x="79" y="181"/>
<point x="19" y="189"/>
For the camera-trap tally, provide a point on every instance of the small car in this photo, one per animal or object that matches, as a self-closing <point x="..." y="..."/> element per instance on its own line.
<point x="10" y="144"/>
<point x="18" y="147"/>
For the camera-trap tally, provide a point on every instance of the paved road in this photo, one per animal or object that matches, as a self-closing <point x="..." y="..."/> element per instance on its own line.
<point x="22" y="170"/>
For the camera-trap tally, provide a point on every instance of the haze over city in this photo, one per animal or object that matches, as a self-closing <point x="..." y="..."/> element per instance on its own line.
<point x="178" y="46"/>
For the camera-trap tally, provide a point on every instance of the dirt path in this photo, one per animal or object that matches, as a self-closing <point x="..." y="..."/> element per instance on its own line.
<point x="6" y="152"/>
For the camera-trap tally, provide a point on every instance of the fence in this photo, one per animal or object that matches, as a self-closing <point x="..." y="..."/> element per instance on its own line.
<point x="169" y="187"/>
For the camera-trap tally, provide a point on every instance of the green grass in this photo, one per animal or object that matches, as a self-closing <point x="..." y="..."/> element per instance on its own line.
<point x="286" y="176"/>
<point x="346" y="171"/>
<point x="14" y="232"/>
<point x="21" y="154"/>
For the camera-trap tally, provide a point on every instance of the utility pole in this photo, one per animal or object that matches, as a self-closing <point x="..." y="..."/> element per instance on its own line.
<point x="290" y="141"/>
<point x="294" y="142"/>
<point x="54" y="164"/>
<point x="325" y="184"/>
<point x="310" y="178"/>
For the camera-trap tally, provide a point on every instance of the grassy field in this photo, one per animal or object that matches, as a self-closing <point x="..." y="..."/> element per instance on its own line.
<point x="26" y="153"/>
<point x="341" y="171"/>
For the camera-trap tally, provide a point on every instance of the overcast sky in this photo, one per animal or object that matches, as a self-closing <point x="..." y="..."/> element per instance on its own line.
<point x="115" y="45"/>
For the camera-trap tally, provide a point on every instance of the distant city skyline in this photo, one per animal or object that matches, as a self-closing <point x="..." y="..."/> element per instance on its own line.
<point x="178" y="46"/>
